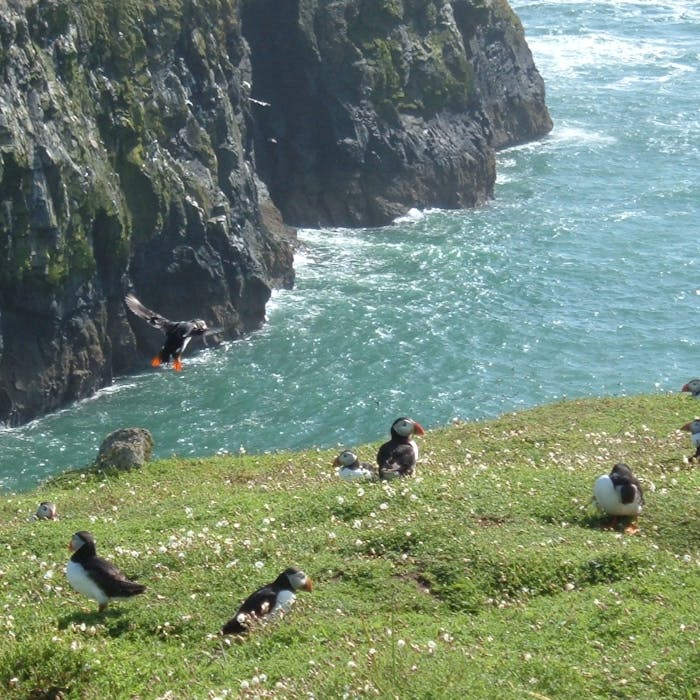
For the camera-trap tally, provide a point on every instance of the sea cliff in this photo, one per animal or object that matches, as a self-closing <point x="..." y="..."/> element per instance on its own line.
<point x="166" y="147"/>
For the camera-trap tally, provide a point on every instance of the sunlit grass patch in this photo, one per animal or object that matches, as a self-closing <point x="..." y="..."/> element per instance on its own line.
<point x="487" y="575"/>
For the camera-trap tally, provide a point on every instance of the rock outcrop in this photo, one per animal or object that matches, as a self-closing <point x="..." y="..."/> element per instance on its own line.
<point x="125" y="449"/>
<point x="365" y="108"/>
<point x="165" y="147"/>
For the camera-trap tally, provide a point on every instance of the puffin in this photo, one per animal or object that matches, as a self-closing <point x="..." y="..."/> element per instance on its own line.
<point x="46" y="511"/>
<point x="693" y="386"/>
<point x="177" y="333"/>
<point x="694" y="429"/>
<point x="398" y="456"/>
<point x="94" y="577"/>
<point x="619" y="494"/>
<point x="272" y="599"/>
<point x="350" y="468"/>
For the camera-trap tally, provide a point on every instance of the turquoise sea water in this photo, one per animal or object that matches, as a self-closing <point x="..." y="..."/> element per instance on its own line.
<point x="577" y="280"/>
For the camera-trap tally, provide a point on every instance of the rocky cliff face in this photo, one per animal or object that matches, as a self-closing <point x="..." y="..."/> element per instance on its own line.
<point x="125" y="163"/>
<point x="135" y="138"/>
<point x="368" y="107"/>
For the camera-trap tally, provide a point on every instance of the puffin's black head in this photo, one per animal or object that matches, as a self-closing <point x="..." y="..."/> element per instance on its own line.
<point x="405" y="427"/>
<point x="621" y="470"/>
<point x="82" y="542"/>
<point x="693" y="386"/>
<point x="294" y="579"/>
<point x="345" y="459"/>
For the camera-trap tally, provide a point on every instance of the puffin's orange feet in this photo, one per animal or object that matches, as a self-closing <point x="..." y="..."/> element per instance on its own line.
<point x="177" y="365"/>
<point x="155" y="362"/>
<point x="632" y="529"/>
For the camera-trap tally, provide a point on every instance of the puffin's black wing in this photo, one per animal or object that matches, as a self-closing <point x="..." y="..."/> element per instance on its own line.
<point x="385" y="452"/>
<point x="257" y="604"/>
<point x="401" y="459"/>
<point x="110" y="579"/>
<point x="629" y="487"/>
<point x="147" y="315"/>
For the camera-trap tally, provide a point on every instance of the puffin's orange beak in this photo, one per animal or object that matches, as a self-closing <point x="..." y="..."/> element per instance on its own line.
<point x="309" y="585"/>
<point x="685" y="388"/>
<point x="418" y="429"/>
<point x="70" y="546"/>
<point x="686" y="427"/>
<point x="336" y="462"/>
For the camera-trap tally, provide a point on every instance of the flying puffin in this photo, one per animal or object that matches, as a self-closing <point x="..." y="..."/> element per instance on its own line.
<point x="177" y="333"/>
<point x="350" y="468"/>
<point x="693" y="386"/>
<point x="95" y="577"/>
<point x="619" y="494"/>
<point x="398" y="456"/>
<point x="694" y="429"/>
<point x="46" y="511"/>
<point x="274" y="598"/>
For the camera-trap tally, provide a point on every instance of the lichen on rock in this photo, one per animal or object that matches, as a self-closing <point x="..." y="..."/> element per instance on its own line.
<point x="125" y="449"/>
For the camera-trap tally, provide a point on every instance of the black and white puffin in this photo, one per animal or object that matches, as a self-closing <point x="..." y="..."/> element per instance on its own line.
<point x="46" y="511"/>
<point x="398" y="456"/>
<point x="619" y="494"/>
<point x="350" y="468"/>
<point x="694" y="429"/>
<point x="94" y="577"/>
<point x="177" y="333"/>
<point x="693" y="387"/>
<point x="272" y="599"/>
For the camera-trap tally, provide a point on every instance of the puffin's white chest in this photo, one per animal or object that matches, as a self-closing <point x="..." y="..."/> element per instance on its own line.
<point x="81" y="582"/>
<point x="285" y="600"/>
<point x="351" y="474"/>
<point x="414" y="445"/>
<point x="608" y="498"/>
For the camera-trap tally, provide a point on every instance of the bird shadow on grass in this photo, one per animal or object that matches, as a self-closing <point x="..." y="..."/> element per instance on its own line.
<point x="112" y="620"/>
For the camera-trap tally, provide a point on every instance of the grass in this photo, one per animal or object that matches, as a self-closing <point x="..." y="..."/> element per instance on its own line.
<point x="486" y="576"/>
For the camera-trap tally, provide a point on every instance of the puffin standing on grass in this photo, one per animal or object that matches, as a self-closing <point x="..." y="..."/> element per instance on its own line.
<point x="619" y="494"/>
<point x="693" y="387"/>
<point x="398" y="456"/>
<point x="350" y="468"/>
<point x="94" y="577"/>
<point x="177" y="333"/>
<point x="274" y="598"/>
<point x="694" y="429"/>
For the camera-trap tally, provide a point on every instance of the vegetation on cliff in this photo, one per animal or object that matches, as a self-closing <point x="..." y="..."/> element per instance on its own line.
<point x="486" y="576"/>
<point x="125" y="163"/>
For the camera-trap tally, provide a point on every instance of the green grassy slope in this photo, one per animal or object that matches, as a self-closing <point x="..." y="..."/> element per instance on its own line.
<point x="486" y="576"/>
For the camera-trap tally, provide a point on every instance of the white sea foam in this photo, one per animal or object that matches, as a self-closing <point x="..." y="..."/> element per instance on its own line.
<point x="410" y="216"/>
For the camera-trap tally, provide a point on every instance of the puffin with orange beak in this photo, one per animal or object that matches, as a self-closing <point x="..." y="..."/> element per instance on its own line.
<point x="177" y="333"/>
<point x="398" y="456"/>
<point x="95" y="577"/>
<point x="350" y="468"/>
<point x="271" y="600"/>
